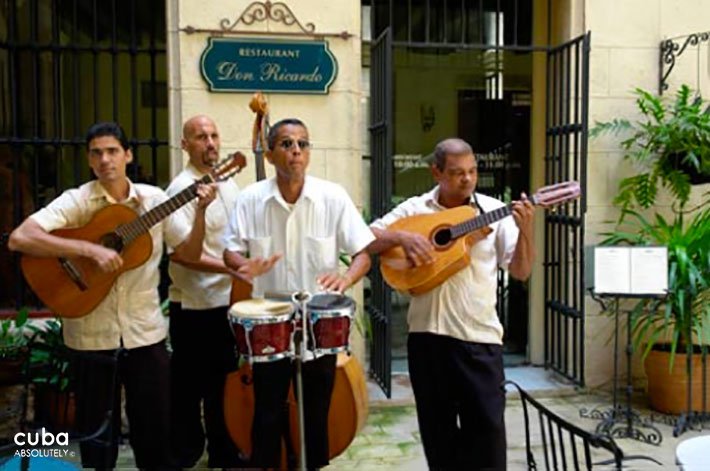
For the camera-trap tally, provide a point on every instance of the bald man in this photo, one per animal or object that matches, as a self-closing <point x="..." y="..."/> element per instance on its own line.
<point x="200" y="336"/>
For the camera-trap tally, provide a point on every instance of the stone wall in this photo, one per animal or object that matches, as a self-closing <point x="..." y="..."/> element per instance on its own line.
<point x="334" y="119"/>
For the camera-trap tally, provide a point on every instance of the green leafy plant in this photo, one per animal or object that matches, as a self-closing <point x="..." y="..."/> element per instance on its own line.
<point x="671" y="139"/>
<point x="46" y="367"/>
<point x="683" y="317"/>
<point x="13" y="336"/>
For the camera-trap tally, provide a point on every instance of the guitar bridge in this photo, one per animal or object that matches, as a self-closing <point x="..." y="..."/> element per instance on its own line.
<point x="73" y="273"/>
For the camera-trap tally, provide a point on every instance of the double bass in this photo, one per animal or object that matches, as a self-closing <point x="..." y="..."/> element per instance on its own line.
<point x="349" y="402"/>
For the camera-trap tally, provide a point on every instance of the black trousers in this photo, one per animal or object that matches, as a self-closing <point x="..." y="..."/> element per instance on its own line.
<point x="271" y="384"/>
<point x="203" y="353"/>
<point x="460" y="401"/>
<point x="144" y="374"/>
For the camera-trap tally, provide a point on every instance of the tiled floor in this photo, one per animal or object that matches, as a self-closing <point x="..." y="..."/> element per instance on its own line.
<point x="390" y="439"/>
<point x="391" y="434"/>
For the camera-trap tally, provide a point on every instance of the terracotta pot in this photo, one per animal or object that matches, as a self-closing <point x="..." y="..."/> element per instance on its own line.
<point x="668" y="390"/>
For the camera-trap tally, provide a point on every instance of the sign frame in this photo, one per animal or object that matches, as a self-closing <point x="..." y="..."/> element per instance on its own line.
<point x="212" y="41"/>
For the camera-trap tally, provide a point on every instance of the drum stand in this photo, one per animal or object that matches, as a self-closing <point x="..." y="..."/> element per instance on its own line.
<point x="301" y="298"/>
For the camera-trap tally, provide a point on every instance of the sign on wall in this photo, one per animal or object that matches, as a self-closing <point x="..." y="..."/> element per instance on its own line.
<point x="269" y="65"/>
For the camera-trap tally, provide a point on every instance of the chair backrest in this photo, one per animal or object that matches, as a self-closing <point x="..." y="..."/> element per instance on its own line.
<point x="554" y="443"/>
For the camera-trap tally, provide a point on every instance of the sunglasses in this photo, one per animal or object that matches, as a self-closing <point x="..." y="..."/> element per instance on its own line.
<point x="287" y="144"/>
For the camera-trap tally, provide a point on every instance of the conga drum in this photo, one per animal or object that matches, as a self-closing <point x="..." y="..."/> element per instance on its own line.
<point x="329" y="320"/>
<point x="263" y="329"/>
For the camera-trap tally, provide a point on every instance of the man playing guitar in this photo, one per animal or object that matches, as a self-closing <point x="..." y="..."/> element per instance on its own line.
<point x="129" y="316"/>
<point x="455" y="337"/>
<point x="200" y="337"/>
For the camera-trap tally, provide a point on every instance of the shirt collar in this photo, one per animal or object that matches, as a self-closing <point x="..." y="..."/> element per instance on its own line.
<point x="310" y="190"/>
<point x="193" y="172"/>
<point x="432" y="199"/>
<point x="99" y="192"/>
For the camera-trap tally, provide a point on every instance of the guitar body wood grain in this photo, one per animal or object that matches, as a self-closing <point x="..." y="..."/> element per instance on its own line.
<point x="52" y="284"/>
<point x="448" y="260"/>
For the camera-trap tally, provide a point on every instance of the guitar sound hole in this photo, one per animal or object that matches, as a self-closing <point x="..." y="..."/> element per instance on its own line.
<point x="442" y="237"/>
<point x="112" y="241"/>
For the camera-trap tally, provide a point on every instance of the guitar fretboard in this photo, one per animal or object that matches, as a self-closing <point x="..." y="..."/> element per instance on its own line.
<point x="139" y="226"/>
<point x="483" y="220"/>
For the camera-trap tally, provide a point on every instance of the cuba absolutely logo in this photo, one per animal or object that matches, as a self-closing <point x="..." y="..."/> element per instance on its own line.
<point x="27" y="441"/>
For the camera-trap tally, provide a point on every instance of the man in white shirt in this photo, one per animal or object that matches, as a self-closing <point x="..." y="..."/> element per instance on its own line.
<point x="200" y="336"/>
<point x="455" y="338"/>
<point x="130" y="315"/>
<point x="293" y="227"/>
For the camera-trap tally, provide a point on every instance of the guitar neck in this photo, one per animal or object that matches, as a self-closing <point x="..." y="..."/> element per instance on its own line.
<point x="485" y="219"/>
<point x="259" y="164"/>
<point x="142" y="224"/>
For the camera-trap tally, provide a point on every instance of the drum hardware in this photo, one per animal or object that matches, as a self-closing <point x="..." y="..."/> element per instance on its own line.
<point x="301" y="297"/>
<point x="286" y="325"/>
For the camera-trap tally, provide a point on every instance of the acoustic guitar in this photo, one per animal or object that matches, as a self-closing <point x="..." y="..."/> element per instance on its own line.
<point x="453" y="232"/>
<point x="73" y="287"/>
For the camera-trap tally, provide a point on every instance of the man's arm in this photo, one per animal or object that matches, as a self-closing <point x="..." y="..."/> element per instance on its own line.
<point x="248" y="268"/>
<point x="190" y="250"/>
<point x="417" y="247"/>
<point x="31" y="239"/>
<point x="206" y="263"/>
<point x="521" y="265"/>
<point x="359" y="266"/>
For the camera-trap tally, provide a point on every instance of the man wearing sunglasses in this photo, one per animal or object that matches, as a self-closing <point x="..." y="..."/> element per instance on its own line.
<point x="293" y="227"/>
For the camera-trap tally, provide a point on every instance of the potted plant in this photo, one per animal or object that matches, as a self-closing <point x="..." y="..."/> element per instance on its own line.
<point x="13" y="348"/>
<point x="666" y="332"/>
<point x="49" y="373"/>
<point x="669" y="147"/>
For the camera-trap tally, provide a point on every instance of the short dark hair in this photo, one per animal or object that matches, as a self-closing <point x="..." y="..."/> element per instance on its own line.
<point x="451" y="146"/>
<point x="271" y="138"/>
<point x="107" y="128"/>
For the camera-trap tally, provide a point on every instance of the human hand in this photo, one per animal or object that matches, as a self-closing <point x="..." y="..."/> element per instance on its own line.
<point x="107" y="259"/>
<point x="418" y="249"/>
<point x="206" y="193"/>
<point x="523" y="212"/>
<point x="257" y="266"/>
<point x="334" y="282"/>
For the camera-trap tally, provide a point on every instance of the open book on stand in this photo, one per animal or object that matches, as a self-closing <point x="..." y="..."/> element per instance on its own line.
<point x="631" y="271"/>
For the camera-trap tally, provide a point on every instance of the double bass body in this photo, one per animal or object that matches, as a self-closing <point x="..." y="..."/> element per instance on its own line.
<point x="347" y="415"/>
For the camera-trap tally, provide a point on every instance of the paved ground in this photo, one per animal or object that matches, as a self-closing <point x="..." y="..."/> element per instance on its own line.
<point x="390" y="440"/>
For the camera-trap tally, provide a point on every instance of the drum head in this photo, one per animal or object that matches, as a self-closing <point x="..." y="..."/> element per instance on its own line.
<point x="258" y="308"/>
<point x="330" y="302"/>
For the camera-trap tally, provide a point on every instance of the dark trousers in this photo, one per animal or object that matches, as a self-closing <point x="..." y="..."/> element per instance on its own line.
<point x="271" y="384"/>
<point x="203" y="354"/>
<point x="145" y="376"/>
<point x="460" y="401"/>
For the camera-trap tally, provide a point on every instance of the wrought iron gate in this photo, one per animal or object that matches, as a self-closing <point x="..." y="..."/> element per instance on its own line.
<point x="566" y="159"/>
<point x="65" y="64"/>
<point x="380" y="305"/>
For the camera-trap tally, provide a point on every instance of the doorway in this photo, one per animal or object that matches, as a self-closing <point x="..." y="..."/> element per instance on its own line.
<point x="491" y="116"/>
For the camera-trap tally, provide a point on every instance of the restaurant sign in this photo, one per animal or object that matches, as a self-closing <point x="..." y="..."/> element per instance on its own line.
<point x="248" y="65"/>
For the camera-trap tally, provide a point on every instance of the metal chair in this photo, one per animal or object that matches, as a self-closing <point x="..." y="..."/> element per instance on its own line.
<point x="563" y="445"/>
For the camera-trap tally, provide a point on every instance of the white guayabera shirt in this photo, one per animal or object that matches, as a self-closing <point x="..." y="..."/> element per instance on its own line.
<point x="131" y="310"/>
<point x="310" y="233"/>
<point x="464" y="306"/>
<point x="196" y="289"/>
